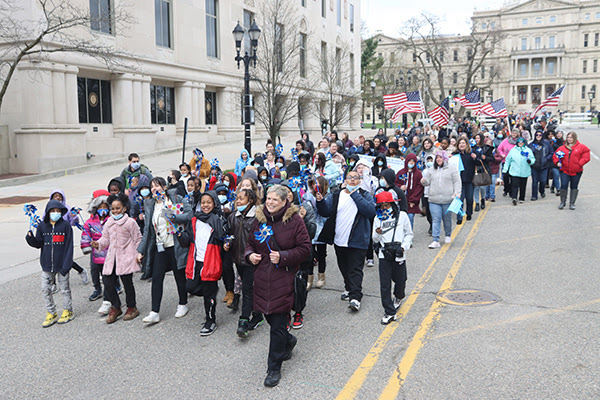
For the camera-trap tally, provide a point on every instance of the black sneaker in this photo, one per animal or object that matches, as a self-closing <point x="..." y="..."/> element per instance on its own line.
<point x="256" y="321"/>
<point x="289" y="323"/>
<point x="387" y="319"/>
<point x="95" y="295"/>
<point x="242" y="330"/>
<point x="298" y="321"/>
<point x="482" y="204"/>
<point x="476" y="207"/>
<point x="289" y="347"/>
<point x="514" y="202"/>
<point x="273" y="378"/>
<point x="209" y="328"/>
<point x="345" y="296"/>
<point x="458" y="222"/>
<point x="235" y="304"/>
<point x="468" y="217"/>
<point x="543" y="194"/>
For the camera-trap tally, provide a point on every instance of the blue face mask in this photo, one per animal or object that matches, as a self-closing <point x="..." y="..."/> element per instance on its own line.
<point x="55" y="216"/>
<point x="380" y="163"/>
<point x="145" y="192"/>
<point x="102" y="212"/>
<point x="242" y="207"/>
<point x="500" y="136"/>
<point x="117" y="216"/>
<point x="135" y="165"/>
<point x="382" y="183"/>
<point x="226" y="183"/>
<point x="351" y="188"/>
<point x="429" y="164"/>
<point x="184" y="175"/>
<point x="222" y="198"/>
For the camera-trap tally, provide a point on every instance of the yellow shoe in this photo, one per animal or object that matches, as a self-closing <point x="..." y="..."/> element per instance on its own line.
<point x="50" y="319"/>
<point x="66" y="317"/>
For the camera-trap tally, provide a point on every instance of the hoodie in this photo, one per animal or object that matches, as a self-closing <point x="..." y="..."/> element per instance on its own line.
<point x="398" y="194"/>
<point x="117" y="181"/>
<point x="240" y="163"/>
<point x="54" y="240"/>
<point x="411" y="178"/>
<point x="70" y="218"/>
<point x="376" y="169"/>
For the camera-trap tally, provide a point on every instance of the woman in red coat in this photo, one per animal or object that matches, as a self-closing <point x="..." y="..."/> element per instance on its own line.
<point x="277" y="259"/>
<point x="409" y="180"/>
<point x="570" y="159"/>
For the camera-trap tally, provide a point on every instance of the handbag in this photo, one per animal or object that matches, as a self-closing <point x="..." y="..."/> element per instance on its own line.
<point x="393" y="250"/>
<point x="481" y="177"/>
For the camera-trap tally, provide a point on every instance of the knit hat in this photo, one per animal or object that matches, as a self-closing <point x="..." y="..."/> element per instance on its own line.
<point x="98" y="197"/>
<point x="384" y="197"/>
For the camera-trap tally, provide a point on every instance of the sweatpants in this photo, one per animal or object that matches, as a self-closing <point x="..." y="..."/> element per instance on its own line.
<point x="163" y="262"/>
<point x="351" y="262"/>
<point x="391" y="271"/>
<point x="517" y="187"/>
<point x="48" y="279"/>
<point x="246" y="272"/>
<point x="209" y="292"/>
<point x="279" y="339"/>
<point x="110" y="289"/>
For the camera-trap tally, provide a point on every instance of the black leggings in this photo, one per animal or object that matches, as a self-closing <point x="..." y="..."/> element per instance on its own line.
<point x="163" y="262"/>
<point x="77" y="268"/>
<point x="228" y="275"/>
<point x="246" y="272"/>
<point x="110" y="283"/>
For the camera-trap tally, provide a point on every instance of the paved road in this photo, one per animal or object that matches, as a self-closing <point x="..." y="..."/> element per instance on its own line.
<point x="539" y="341"/>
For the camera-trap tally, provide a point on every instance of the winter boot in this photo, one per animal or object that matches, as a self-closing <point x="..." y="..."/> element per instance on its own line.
<point x="563" y="199"/>
<point x="309" y="282"/>
<point x="320" y="281"/>
<point x="235" y="304"/>
<point x="574" y="193"/>
<point x="228" y="298"/>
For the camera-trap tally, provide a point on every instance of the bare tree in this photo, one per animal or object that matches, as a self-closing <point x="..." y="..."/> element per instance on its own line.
<point x="279" y="67"/>
<point x="338" y="85"/>
<point x="59" y="27"/>
<point x="432" y="55"/>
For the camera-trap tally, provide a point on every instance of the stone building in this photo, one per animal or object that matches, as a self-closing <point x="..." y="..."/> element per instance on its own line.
<point x="64" y="105"/>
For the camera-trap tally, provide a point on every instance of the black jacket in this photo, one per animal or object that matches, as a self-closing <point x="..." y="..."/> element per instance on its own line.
<point x="240" y="226"/>
<point x="56" y="241"/>
<point x="390" y="176"/>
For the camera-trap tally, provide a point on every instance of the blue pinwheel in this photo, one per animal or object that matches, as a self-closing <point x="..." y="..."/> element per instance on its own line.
<point x="279" y="149"/>
<point x="294" y="154"/>
<point x="231" y="196"/>
<point x="384" y="215"/>
<point x="76" y="212"/>
<point x="214" y="163"/>
<point x="31" y="212"/>
<point x="263" y="236"/>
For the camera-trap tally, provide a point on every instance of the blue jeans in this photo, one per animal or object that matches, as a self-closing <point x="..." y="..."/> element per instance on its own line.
<point x="565" y="180"/>
<point x="556" y="178"/>
<point x="491" y="190"/>
<point x="538" y="181"/>
<point x="467" y="193"/>
<point x="411" y="218"/>
<point x="439" y="214"/>
<point x="479" y="193"/>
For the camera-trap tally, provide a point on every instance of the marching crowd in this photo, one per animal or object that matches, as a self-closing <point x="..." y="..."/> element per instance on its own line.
<point x="263" y="226"/>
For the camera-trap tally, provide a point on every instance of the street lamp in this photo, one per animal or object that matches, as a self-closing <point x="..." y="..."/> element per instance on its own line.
<point x="373" y="85"/>
<point x="591" y="96"/>
<point x="238" y="36"/>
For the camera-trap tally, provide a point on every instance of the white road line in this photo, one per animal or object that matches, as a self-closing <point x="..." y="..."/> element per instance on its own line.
<point x="595" y="156"/>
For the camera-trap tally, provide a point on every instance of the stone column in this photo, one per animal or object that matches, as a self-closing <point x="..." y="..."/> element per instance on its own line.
<point x="71" y="105"/>
<point x="530" y="68"/>
<point x="137" y="106"/>
<point x="145" y="95"/>
<point x="59" y="94"/>
<point x="544" y="66"/>
<point x="183" y="105"/>
<point x="229" y="112"/>
<point x="123" y="107"/>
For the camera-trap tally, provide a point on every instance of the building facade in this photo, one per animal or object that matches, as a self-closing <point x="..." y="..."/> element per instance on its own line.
<point x="176" y="61"/>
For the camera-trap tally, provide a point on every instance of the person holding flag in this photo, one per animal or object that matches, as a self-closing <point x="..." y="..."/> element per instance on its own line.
<point x="570" y="159"/>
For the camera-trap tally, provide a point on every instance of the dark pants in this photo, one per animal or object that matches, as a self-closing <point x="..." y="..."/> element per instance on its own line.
<point x="209" y="292"/>
<point x="95" y="271"/>
<point x="77" y="268"/>
<point x="228" y="275"/>
<point x="467" y="197"/>
<point x="427" y="212"/>
<point x="163" y="262"/>
<point x="320" y="252"/>
<point x="518" y="186"/>
<point x="507" y="182"/>
<point x="390" y="271"/>
<point x="279" y="339"/>
<point x="369" y="254"/>
<point x="566" y="180"/>
<point x="538" y="181"/>
<point x="110" y="291"/>
<point x="351" y="262"/>
<point x="246" y="272"/>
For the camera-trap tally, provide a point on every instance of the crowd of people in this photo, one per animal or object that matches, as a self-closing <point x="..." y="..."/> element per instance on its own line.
<point x="255" y="226"/>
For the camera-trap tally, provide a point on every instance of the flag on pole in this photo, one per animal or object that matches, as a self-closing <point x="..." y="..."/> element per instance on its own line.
<point x="470" y="100"/>
<point x="496" y="109"/>
<point x="551" y="101"/>
<point x="441" y="114"/>
<point x="411" y="103"/>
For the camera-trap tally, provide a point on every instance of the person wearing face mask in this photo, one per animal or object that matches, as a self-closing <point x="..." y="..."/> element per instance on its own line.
<point x="409" y="180"/>
<point x="175" y="183"/>
<point x="518" y="164"/>
<point x="120" y="237"/>
<point x="350" y="163"/>
<point x="279" y="170"/>
<point x="135" y="168"/>
<point x="387" y="182"/>
<point x="225" y="207"/>
<point x="185" y="171"/>
<point x="370" y="184"/>
<point x="503" y="149"/>
<point x="379" y="164"/>
<point x="54" y="238"/>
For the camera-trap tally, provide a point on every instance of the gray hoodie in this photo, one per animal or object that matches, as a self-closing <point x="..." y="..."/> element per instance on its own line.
<point x="443" y="183"/>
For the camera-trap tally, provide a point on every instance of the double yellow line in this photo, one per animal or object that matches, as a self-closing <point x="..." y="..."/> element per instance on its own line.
<point x="357" y="379"/>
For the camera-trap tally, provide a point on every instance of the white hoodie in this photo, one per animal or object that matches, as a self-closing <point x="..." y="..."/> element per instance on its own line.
<point x="404" y="233"/>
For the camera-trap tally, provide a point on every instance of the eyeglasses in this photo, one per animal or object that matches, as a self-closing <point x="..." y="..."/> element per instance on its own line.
<point x="353" y="178"/>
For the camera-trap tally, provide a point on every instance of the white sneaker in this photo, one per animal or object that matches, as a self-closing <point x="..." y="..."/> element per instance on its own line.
<point x="182" y="311"/>
<point x="354" y="305"/>
<point x="448" y="239"/>
<point x="152" y="318"/>
<point x="103" y="310"/>
<point x="387" y="319"/>
<point x="84" y="277"/>
<point x="370" y="263"/>
<point x="434" y="245"/>
<point x="397" y="303"/>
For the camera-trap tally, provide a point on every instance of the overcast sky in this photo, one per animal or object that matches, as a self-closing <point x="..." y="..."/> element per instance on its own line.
<point x="388" y="15"/>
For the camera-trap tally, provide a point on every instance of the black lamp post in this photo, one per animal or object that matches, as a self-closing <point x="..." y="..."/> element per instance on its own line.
<point x="591" y="96"/>
<point x="238" y="35"/>
<point x="373" y="85"/>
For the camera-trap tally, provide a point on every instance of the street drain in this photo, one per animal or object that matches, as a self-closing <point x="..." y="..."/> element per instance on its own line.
<point x="20" y="199"/>
<point x="467" y="297"/>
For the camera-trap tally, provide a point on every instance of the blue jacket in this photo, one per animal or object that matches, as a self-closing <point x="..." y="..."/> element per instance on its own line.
<point x="240" y="164"/>
<point x="56" y="241"/>
<point x="517" y="164"/>
<point x="360" y="235"/>
<point x="543" y="154"/>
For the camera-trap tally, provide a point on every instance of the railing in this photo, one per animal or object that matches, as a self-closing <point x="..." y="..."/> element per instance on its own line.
<point x="576" y="119"/>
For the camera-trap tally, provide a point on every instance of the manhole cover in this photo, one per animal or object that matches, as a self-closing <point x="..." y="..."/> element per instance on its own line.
<point x="21" y="199"/>
<point x="467" y="297"/>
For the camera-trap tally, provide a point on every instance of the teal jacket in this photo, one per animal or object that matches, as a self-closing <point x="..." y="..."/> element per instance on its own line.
<point x="517" y="164"/>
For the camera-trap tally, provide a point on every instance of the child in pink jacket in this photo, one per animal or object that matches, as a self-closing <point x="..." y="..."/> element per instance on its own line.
<point x="122" y="236"/>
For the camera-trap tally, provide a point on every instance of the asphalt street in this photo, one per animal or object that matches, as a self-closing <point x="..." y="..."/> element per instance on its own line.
<point x="538" y="341"/>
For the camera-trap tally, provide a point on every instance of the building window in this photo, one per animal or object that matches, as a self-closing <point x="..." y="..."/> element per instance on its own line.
<point x="585" y="39"/>
<point x="454" y="77"/>
<point x="455" y="55"/>
<point x="583" y="92"/>
<point x="523" y="43"/>
<point x="587" y="16"/>
<point x="278" y="47"/>
<point x="493" y="25"/>
<point x="598" y="15"/>
<point x="414" y="58"/>
<point x="550" y="67"/>
<point x="538" y="43"/>
<point x="339" y="12"/>
<point x="302" y="46"/>
<point x="553" y="18"/>
<point x="482" y="72"/>
<point x="441" y="56"/>
<point x="523" y="69"/>
<point x="427" y="57"/>
<point x="538" y="20"/>
<point x="210" y="107"/>
<point x="584" y="66"/>
<point x="100" y="16"/>
<point x="324" y="8"/>
<point x="212" y="37"/>
<point x="551" y="42"/>
<point x="162" y="22"/>
<point x="522" y="94"/>
<point x="596" y="37"/>
<point x="338" y="65"/>
<point x="351" y="17"/>
<point x="595" y="67"/>
<point x="324" y="61"/>
<point x="94" y="100"/>
<point x="536" y="69"/>
<point x="535" y="95"/>
<point x="483" y="25"/>
<point x="469" y="53"/>
<point x="351" y="70"/>
<point x="492" y="71"/>
<point x="303" y="3"/>
<point x="248" y="18"/>
<point x="524" y="21"/>
<point x="162" y="104"/>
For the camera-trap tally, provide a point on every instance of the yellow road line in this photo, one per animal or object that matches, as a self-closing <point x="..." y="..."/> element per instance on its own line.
<point x="358" y="377"/>
<point x="420" y="338"/>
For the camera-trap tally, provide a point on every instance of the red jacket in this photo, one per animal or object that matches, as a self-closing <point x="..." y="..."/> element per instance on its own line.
<point x="412" y="180"/>
<point x="574" y="159"/>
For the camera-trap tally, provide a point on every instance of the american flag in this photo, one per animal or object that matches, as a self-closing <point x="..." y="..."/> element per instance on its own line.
<point x="440" y="115"/>
<point x="412" y="103"/>
<point x="550" y="101"/>
<point x="496" y="108"/>
<point x="408" y="99"/>
<point x="470" y="100"/>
